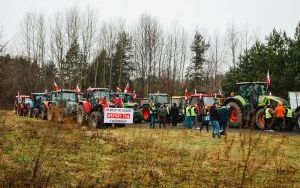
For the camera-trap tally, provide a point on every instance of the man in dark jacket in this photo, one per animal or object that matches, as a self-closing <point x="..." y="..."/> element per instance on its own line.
<point x="174" y="112"/>
<point x="214" y="117"/>
<point x="223" y="118"/>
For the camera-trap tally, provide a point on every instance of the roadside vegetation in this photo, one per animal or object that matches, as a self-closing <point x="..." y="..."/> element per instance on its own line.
<point x="36" y="153"/>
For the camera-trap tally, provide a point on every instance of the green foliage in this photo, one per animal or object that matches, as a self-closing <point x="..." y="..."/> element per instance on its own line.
<point x="279" y="54"/>
<point x="195" y="70"/>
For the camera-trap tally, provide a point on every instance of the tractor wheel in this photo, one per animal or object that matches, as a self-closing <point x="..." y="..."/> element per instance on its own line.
<point x="50" y="113"/>
<point x="260" y="119"/>
<point x="43" y="113"/>
<point x="235" y="116"/>
<point x="96" y="120"/>
<point x="61" y="113"/>
<point x="297" y="122"/>
<point x="81" y="116"/>
<point x="146" y="113"/>
<point x="36" y="112"/>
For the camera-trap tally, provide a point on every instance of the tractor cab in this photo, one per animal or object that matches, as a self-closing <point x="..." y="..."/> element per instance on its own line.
<point x="158" y="98"/>
<point x="252" y="92"/>
<point x="201" y="100"/>
<point x="94" y="95"/>
<point x="179" y="100"/>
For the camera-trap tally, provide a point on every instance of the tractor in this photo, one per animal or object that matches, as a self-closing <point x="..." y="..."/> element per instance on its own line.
<point x="157" y="99"/>
<point x="21" y="105"/>
<point x="36" y="104"/>
<point x="248" y="104"/>
<point x="128" y="102"/>
<point x="62" y="103"/>
<point x="294" y="98"/>
<point x="91" y="108"/>
<point x="201" y="100"/>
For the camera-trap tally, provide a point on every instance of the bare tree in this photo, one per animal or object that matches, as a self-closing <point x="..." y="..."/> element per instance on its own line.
<point x="3" y="42"/>
<point x="57" y="44"/>
<point x="232" y="36"/>
<point x="147" y="39"/>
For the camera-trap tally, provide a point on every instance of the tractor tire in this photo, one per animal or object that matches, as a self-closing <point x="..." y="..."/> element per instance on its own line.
<point x="81" y="116"/>
<point x="297" y="122"/>
<point x="50" y="113"/>
<point x="96" y="120"/>
<point x="36" y="112"/>
<point x="43" y="113"/>
<point x="146" y="113"/>
<point x="61" y="114"/>
<point x="260" y="119"/>
<point x="235" y="115"/>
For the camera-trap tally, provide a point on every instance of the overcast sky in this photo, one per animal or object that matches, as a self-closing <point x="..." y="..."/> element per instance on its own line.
<point x="261" y="16"/>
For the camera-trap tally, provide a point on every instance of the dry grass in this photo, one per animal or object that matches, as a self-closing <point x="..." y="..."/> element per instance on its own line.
<point x="36" y="153"/>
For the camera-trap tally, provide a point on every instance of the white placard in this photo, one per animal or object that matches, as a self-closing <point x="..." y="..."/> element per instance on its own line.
<point x="118" y="115"/>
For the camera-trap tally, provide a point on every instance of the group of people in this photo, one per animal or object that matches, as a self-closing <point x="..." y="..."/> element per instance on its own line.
<point x="193" y="117"/>
<point x="164" y="115"/>
<point x="278" y="118"/>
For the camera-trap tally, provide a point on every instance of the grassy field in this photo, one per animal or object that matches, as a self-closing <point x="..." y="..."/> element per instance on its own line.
<point x="37" y="153"/>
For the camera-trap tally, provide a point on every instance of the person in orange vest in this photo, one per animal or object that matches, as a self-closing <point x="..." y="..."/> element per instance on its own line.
<point x="279" y="115"/>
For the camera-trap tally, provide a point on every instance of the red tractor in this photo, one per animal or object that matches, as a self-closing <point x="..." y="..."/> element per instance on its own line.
<point x="91" y="107"/>
<point x="21" y="103"/>
<point x="201" y="100"/>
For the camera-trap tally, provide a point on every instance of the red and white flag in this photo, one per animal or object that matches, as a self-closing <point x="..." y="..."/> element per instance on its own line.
<point x="268" y="79"/>
<point x="118" y="89"/>
<point x="77" y="89"/>
<point x="55" y="86"/>
<point x="126" y="90"/>
<point x="134" y="95"/>
<point x="186" y="95"/>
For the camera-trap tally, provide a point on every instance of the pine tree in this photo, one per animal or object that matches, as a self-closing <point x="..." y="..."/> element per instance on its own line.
<point x="122" y="60"/>
<point x="72" y="67"/>
<point x="195" y="74"/>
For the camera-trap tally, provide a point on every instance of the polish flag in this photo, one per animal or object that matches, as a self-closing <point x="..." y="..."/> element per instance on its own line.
<point x="126" y="90"/>
<point x="77" y="89"/>
<point x="186" y="95"/>
<point x="55" y="86"/>
<point x="268" y="79"/>
<point x="134" y="95"/>
<point x="118" y="89"/>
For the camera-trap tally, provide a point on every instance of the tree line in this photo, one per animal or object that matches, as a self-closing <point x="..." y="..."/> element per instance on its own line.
<point x="77" y="47"/>
<point x="279" y="54"/>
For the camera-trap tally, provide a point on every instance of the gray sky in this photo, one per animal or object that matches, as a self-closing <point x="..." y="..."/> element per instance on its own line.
<point x="261" y="16"/>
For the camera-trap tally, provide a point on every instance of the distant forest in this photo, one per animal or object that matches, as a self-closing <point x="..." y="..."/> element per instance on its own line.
<point x="77" y="47"/>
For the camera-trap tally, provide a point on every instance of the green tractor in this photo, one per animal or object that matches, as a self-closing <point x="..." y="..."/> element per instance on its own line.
<point x="62" y="103"/>
<point x="247" y="106"/>
<point x="128" y="102"/>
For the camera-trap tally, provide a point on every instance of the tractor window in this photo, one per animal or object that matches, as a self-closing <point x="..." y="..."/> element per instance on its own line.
<point x="69" y="97"/>
<point x="194" y="100"/>
<point x="260" y="89"/>
<point x="101" y="94"/>
<point x="27" y="100"/>
<point x="208" y="101"/>
<point x="126" y="98"/>
<point x="162" y="99"/>
<point x="41" y="98"/>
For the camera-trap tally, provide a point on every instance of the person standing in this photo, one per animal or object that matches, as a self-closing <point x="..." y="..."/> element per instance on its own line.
<point x="162" y="113"/>
<point x="174" y="112"/>
<point x="153" y="113"/>
<point x="223" y="118"/>
<point x="268" y="117"/>
<point x="205" y="119"/>
<point x="194" y="116"/>
<point x="279" y="115"/>
<point x="214" y="117"/>
<point x="188" y="116"/>
<point x="289" y="119"/>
